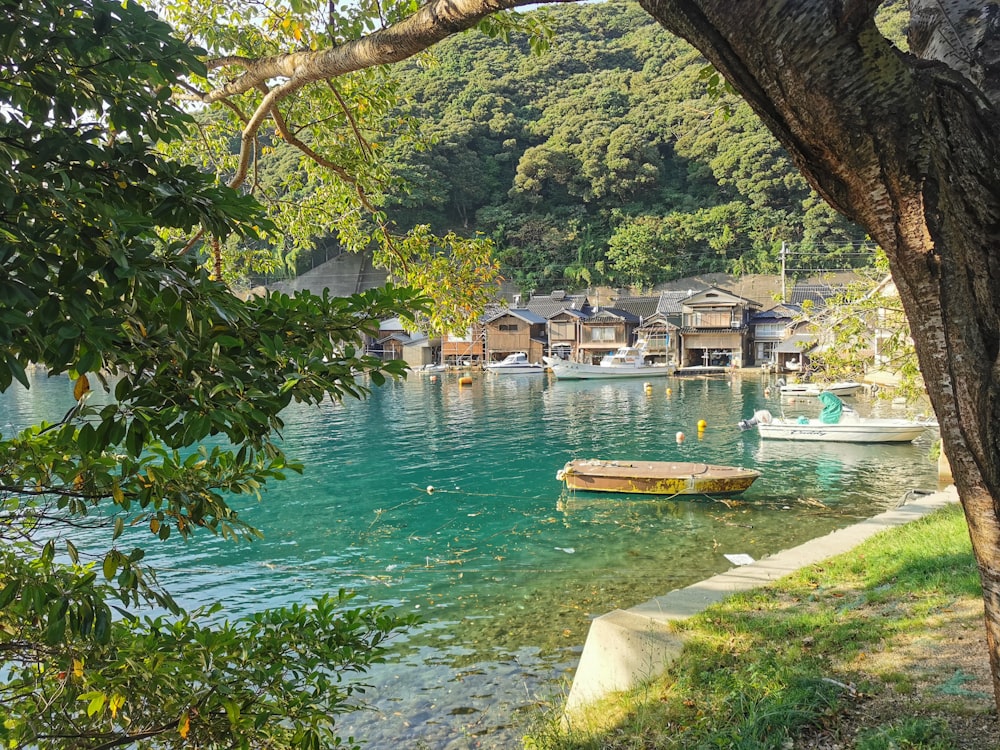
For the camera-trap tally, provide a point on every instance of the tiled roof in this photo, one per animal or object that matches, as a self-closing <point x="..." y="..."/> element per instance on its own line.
<point x="670" y="300"/>
<point x="548" y="305"/>
<point x="778" y="312"/>
<point x="641" y="307"/>
<point x="614" y="312"/>
<point x="526" y="315"/>
<point x="573" y="313"/>
<point x="818" y="294"/>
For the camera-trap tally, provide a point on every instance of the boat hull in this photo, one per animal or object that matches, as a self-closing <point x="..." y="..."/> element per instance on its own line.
<point x="578" y="371"/>
<point x="655" y="477"/>
<point x="812" y="389"/>
<point x="516" y="369"/>
<point x="866" y="431"/>
<point x="515" y="364"/>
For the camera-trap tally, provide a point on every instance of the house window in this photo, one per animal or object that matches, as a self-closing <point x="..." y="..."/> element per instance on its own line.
<point x="603" y="333"/>
<point x="770" y="330"/>
<point x="710" y="319"/>
<point x="562" y="330"/>
<point x="657" y="340"/>
<point x="508" y="328"/>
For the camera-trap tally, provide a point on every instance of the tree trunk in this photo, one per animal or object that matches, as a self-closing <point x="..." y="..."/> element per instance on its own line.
<point x="908" y="148"/>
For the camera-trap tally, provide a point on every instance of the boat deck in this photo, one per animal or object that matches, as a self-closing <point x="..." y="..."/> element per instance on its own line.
<point x="655" y="477"/>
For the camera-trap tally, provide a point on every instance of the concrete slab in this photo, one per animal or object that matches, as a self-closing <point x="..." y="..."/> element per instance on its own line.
<point x="625" y="647"/>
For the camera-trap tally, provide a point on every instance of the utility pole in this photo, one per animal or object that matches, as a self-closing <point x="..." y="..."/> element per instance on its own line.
<point x="783" y="298"/>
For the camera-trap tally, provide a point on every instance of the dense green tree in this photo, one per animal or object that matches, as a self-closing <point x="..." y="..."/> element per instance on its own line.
<point x="595" y="124"/>
<point x="92" y="293"/>
<point x="637" y="254"/>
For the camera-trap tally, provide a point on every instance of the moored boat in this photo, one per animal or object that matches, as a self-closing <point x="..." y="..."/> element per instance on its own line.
<point x="516" y="363"/>
<point x="625" y="362"/>
<point x="655" y="477"/>
<point x="836" y="423"/>
<point x="840" y="388"/>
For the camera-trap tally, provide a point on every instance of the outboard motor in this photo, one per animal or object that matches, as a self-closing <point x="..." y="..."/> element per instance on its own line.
<point x="763" y="416"/>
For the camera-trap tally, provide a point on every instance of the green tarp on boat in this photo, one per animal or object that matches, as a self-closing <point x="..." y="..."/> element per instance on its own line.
<point x="832" y="408"/>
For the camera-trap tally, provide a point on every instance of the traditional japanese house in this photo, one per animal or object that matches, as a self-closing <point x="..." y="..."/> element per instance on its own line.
<point x="716" y="330"/>
<point x="603" y="332"/>
<point x="515" y="330"/>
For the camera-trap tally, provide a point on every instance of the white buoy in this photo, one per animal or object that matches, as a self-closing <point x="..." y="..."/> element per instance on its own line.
<point x="430" y="489"/>
<point x="680" y="437"/>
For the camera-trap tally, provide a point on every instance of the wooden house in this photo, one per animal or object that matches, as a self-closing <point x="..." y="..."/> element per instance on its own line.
<point x="716" y="330"/>
<point x="563" y="330"/>
<point x="466" y="349"/>
<point x="515" y="330"/>
<point x="603" y="332"/>
<point x="662" y="339"/>
<point x="770" y="329"/>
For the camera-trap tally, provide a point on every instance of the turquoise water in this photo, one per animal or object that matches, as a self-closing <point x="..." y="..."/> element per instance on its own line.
<point x="442" y="500"/>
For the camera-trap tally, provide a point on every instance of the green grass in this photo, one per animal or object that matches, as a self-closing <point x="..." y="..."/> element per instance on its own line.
<point x="765" y="667"/>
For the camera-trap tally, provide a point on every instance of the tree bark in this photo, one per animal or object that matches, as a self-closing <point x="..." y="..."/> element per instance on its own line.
<point x="910" y="149"/>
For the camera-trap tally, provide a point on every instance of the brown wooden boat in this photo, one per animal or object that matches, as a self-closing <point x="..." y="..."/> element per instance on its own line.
<point x="655" y="477"/>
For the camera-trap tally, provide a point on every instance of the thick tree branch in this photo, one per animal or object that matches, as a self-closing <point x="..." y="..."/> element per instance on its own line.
<point x="431" y="24"/>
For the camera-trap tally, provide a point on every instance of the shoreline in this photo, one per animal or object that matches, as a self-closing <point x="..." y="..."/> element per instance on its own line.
<point x="625" y="647"/>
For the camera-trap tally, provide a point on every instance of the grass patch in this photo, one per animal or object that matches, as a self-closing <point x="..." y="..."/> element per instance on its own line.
<point x="819" y="654"/>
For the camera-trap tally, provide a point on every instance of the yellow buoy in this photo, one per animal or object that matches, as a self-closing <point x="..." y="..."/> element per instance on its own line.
<point x="702" y="424"/>
<point x="465" y="380"/>
<point x="669" y="391"/>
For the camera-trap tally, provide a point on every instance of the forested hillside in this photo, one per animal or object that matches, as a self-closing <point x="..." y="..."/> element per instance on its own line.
<point x="614" y="157"/>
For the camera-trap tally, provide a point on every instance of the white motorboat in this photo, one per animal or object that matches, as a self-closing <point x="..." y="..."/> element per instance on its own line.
<point x="430" y="369"/>
<point x="840" y="388"/>
<point x="863" y="430"/>
<point x="625" y="362"/>
<point x="516" y="363"/>
<point x="836" y="423"/>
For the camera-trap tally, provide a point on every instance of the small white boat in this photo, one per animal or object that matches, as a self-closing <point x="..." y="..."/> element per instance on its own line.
<point x="516" y="363"/>
<point x="430" y="369"/>
<point x="849" y="428"/>
<point x="840" y="388"/>
<point x="625" y="362"/>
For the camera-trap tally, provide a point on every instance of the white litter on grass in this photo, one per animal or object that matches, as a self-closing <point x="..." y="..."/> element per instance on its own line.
<point x="740" y="559"/>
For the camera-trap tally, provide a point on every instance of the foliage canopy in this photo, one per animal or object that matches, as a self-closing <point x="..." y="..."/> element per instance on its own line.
<point x="197" y="378"/>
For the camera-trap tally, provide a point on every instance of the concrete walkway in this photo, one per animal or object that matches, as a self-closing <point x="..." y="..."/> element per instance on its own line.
<point x="627" y="647"/>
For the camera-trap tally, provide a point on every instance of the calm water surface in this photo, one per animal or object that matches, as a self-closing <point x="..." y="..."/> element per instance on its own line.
<point x="504" y="566"/>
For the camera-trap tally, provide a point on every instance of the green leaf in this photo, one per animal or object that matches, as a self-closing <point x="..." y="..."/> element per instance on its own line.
<point x="110" y="565"/>
<point x="9" y="592"/>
